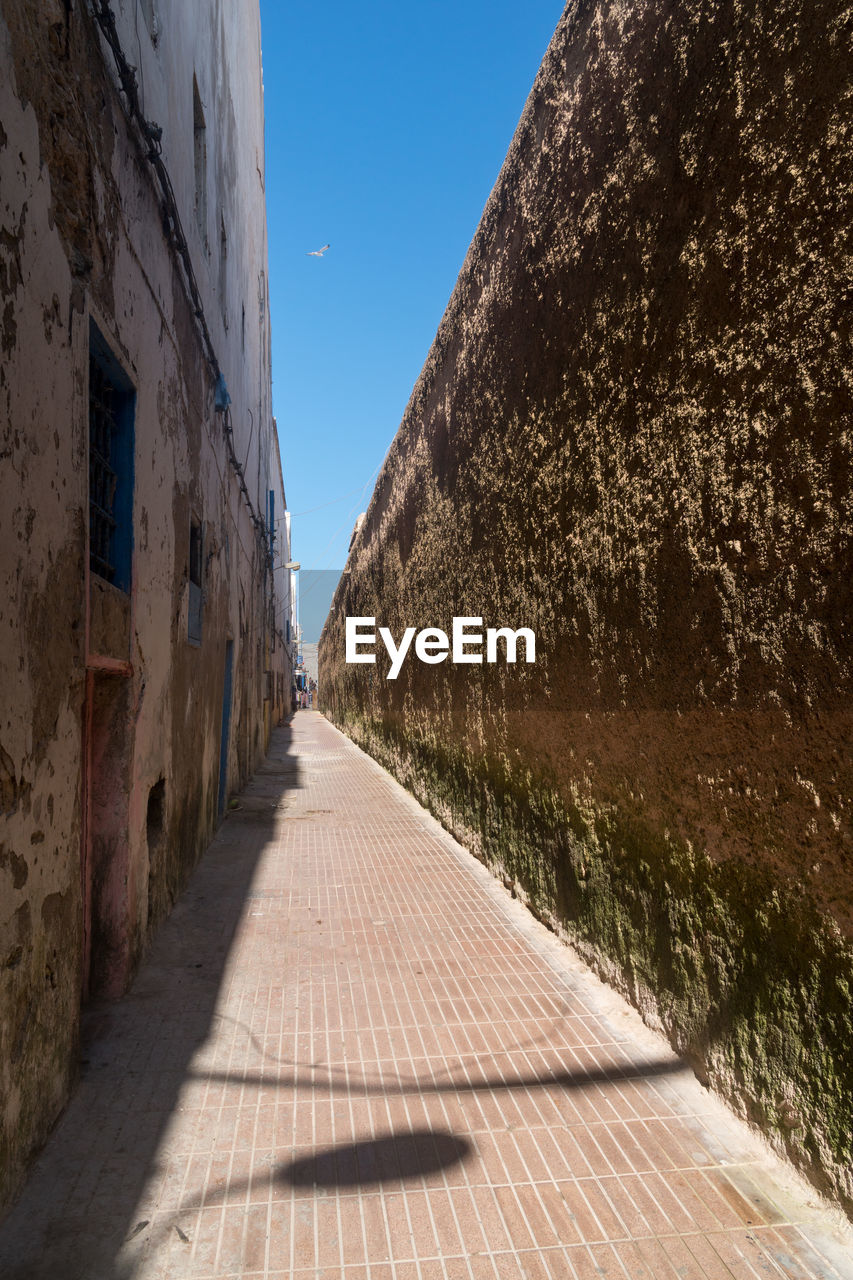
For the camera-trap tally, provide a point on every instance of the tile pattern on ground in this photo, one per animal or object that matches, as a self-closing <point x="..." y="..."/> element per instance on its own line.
<point x="351" y="1054"/>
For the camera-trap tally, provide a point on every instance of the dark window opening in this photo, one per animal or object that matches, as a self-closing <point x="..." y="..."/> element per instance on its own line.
<point x="195" y="553"/>
<point x="196" y="568"/>
<point x="111" y="410"/>
<point x="155" y="830"/>
<point x="155" y="817"/>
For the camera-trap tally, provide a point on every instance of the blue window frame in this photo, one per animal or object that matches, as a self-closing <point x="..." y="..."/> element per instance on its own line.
<point x="112" y="405"/>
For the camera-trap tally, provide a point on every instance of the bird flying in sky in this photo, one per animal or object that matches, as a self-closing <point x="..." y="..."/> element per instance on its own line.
<point x="316" y="253"/>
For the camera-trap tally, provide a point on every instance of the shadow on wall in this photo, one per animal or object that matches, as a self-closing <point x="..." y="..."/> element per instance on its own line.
<point x="156" y="1032"/>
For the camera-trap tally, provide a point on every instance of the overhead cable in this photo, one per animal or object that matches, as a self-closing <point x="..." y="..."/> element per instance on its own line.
<point x="152" y="135"/>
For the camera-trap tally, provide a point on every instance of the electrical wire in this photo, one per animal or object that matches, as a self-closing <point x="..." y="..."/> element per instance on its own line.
<point x="332" y="501"/>
<point x="152" y="137"/>
<point x="348" y="521"/>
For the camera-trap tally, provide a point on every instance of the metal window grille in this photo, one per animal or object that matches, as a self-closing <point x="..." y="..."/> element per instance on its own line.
<point x="102" y="475"/>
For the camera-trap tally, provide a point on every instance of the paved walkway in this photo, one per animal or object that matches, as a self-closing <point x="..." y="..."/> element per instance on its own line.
<point x="351" y="1054"/>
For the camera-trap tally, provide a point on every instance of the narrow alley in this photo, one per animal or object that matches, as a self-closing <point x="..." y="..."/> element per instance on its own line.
<point x="350" y="1053"/>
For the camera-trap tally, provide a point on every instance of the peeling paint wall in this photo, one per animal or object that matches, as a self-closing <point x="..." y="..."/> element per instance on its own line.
<point x="111" y="716"/>
<point x="633" y="434"/>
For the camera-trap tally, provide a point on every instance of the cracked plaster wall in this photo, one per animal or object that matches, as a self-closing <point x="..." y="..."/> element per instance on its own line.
<point x="81" y="236"/>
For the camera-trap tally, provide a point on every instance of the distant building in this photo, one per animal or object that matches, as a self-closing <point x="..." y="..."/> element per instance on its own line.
<point x="309" y="658"/>
<point x="316" y="591"/>
<point x="145" y="611"/>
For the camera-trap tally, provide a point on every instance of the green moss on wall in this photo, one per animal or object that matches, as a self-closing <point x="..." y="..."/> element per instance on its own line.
<point x="747" y="978"/>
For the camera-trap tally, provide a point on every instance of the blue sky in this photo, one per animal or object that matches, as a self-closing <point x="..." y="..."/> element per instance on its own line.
<point x="386" y="127"/>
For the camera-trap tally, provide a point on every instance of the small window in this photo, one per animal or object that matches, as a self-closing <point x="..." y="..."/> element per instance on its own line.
<point x="111" y="445"/>
<point x="196" y="570"/>
<point x="200" y="163"/>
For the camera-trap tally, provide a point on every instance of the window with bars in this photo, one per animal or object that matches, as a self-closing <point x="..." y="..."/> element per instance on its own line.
<point x="111" y="412"/>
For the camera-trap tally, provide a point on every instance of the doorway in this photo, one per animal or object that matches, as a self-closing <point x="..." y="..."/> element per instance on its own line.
<point x="106" y="936"/>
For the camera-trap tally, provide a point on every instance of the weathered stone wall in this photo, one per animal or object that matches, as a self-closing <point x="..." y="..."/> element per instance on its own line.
<point x="633" y="434"/>
<point x="110" y="719"/>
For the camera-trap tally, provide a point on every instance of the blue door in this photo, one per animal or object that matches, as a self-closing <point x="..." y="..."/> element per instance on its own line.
<point x="226" y="725"/>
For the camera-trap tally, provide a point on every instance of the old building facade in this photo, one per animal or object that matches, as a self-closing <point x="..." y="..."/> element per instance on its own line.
<point x="633" y="435"/>
<point x="145" y="612"/>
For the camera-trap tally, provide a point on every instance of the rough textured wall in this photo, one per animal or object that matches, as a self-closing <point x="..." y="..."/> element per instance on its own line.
<point x="42" y="649"/>
<point x="110" y="718"/>
<point x="633" y="434"/>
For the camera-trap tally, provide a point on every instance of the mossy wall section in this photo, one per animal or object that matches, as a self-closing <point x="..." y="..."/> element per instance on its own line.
<point x="633" y="434"/>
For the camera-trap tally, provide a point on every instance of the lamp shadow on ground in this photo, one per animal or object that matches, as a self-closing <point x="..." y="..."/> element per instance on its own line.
<point x="380" y="1086"/>
<point x="393" y="1158"/>
<point x="82" y="1209"/>
<point x="374" y="1161"/>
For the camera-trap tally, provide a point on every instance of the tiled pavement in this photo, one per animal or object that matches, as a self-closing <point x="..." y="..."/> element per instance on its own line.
<point x="351" y="1054"/>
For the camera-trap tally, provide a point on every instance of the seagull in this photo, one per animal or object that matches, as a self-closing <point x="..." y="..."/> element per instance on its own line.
<point x="316" y="253"/>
